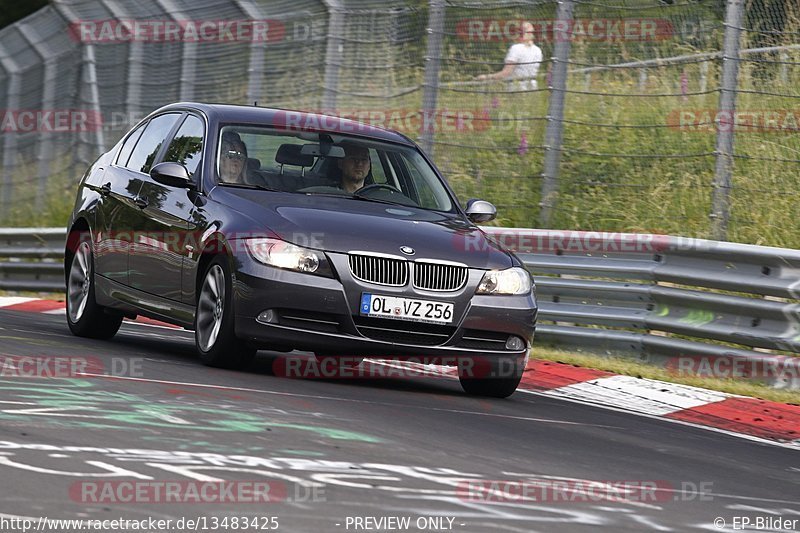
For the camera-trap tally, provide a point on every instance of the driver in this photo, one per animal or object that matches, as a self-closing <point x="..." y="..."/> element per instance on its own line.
<point x="355" y="166"/>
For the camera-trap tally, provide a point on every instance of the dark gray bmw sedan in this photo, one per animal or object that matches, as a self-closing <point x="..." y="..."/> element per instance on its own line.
<point x="271" y="229"/>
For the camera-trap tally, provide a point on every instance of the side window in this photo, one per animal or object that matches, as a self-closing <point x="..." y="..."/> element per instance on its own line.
<point x="427" y="197"/>
<point x="187" y="145"/>
<point x="150" y="142"/>
<point x="378" y="175"/>
<point x="127" y="148"/>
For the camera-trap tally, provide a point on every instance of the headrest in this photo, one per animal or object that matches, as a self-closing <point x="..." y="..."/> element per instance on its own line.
<point x="253" y="163"/>
<point x="289" y="154"/>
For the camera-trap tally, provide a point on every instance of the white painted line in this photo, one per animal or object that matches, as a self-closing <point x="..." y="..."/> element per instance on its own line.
<point x="640" y="395"/>
<point x="19" y="516"/>
<point x="6" y="301"/>
<point x="793" y="445"/>
<point x="335" y="398"/>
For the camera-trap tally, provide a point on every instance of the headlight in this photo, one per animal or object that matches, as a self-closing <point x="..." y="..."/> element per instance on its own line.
<point x="281" y="254"/>
<point x="510" y="281"/>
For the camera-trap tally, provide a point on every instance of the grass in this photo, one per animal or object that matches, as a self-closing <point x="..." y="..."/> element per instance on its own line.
<point x="630" y="367"/>
<point x="649" y="176"/>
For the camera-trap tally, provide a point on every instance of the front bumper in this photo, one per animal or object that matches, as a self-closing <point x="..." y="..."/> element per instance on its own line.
<point x="313" y="313"/>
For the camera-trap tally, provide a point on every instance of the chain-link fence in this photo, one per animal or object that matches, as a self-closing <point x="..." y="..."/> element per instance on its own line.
<point x="664" y="116"/>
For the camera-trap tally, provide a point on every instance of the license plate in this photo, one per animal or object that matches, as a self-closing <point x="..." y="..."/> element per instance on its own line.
<point x="406" y="309"/>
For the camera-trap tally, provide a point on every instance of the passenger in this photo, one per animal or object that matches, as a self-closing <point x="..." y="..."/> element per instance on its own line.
<point x="233" y="159"/>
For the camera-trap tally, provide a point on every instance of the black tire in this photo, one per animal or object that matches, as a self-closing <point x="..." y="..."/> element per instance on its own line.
<point x="220" y="348"/>
<point x="494" y="377"/>
<point x="85" y="317"/>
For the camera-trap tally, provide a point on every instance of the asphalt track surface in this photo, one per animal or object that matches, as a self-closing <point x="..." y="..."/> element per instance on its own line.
<point x="337" y="450"/>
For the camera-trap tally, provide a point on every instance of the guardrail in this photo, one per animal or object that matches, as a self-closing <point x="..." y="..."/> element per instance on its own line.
<point x="32" y="259"/>
<point x="694" y="305"/>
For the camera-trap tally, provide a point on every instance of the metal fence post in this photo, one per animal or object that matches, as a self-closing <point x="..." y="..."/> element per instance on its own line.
<point x="333" y="54"/>
<point x="784" y="67"/>
<point x="134" y="66"/>
<point x="44" y="151"/>
<point x="255" y="67"/>
<point x="703" y="76"/>
<point x="430" y="84"/>
<point x="89" y="73"/>
<point x="189" y="52"/>
<point x="14" y="89"/>
<point x="555" y="112"/>
<point x="720" y="202"/>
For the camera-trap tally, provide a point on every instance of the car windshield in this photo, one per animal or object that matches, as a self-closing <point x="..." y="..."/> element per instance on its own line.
<point x="329" y="164"/>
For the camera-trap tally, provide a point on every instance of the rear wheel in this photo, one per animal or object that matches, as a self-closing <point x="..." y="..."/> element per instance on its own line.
<point x="84" y="317"/>
<point x="494" y="377"/>
<point x="214" y="334"/>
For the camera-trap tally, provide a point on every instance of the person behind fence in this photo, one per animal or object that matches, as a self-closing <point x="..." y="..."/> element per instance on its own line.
<point x="521" y="63"/>
<point x="233" y="159"/>
<point x="354" y="166"/>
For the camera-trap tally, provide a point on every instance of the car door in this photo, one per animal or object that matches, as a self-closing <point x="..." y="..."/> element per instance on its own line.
<point x="116" y="211"/>
<point x="164" y="230"/>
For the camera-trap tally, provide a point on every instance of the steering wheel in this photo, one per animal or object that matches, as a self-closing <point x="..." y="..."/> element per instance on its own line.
<point x="376" y="186"/>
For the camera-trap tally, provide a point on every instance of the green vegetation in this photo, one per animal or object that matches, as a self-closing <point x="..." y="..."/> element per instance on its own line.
<point x="629" y="164"/>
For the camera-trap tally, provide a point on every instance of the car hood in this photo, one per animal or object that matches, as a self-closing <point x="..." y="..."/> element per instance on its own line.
<point x="344" y="225"/>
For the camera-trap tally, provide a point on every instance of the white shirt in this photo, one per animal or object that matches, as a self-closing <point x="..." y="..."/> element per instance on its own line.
<point x="527" y="58"/>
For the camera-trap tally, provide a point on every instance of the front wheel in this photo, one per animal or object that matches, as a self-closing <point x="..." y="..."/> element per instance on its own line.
<point x="84" y="317"/>
<point x="214" y="334"/>
<point x="494" y="377"/>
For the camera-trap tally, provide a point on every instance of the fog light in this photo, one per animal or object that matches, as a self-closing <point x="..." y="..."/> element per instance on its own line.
<point x="515" y="344"/>
<point x="268" y="317"/>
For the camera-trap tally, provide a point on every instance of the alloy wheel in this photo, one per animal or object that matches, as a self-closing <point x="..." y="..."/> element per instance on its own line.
<point x="211" y="308"/>
<point x="80" y="281"/>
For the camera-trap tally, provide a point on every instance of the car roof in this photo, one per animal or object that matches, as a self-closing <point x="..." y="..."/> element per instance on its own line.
<point x="290" y="119"/>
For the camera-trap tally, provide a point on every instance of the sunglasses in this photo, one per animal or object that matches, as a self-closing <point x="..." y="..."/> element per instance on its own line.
<point x="235" y="155"/>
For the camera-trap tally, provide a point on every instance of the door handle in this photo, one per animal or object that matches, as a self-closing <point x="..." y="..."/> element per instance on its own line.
<point x="141" y="202"/>
<point x="105" y="190"/>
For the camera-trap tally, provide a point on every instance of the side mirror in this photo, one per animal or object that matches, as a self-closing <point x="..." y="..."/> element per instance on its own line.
<point x="480" y="211"/>
<point x="172" y="175"/>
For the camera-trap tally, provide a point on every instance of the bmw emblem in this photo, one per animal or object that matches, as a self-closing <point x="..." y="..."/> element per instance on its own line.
<point x="407" y="250"/>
